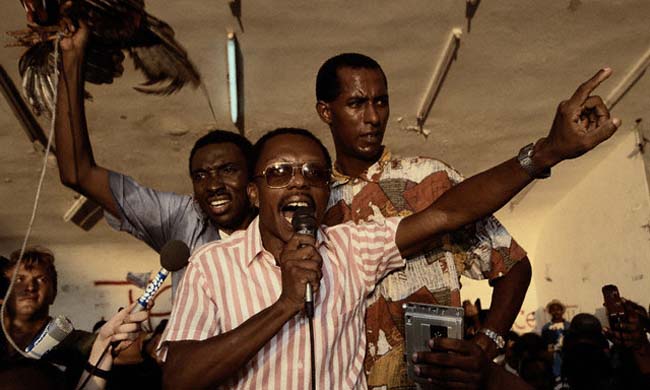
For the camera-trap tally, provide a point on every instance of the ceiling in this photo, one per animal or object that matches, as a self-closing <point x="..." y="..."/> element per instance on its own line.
<point x="518" y="60"/>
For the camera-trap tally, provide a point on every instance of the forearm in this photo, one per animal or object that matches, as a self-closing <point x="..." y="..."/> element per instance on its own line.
<point x="75" y="157"/>
<point x="77" y="168"/>
<point x="507" y="296"/>
<point x="207" y="363"/>
<point x="105" y="364"/>
<point x="469" y="201"/>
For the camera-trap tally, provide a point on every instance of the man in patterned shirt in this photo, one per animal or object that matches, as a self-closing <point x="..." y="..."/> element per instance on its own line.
<point x="370" y="184"/>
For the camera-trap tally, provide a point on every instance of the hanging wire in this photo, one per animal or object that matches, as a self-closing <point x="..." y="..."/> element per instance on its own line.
<point x="3" y="312"/>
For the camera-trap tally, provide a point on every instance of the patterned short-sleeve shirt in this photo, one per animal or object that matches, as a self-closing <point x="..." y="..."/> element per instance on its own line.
<point x="401" y="187"/>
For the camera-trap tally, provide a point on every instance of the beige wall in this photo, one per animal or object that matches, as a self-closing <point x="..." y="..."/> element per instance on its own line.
<point x="591" y="236"/>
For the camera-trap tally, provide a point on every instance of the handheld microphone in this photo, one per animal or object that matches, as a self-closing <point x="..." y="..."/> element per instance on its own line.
<point x="173" y="256"/>
<point x="56" y="330"/>
<point x="304" y="222"/>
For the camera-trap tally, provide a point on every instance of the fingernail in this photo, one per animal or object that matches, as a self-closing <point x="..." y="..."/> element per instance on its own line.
<point x="606" y="69"/>
<point x="417" y="370"/>
<point x="431" y="343"/>
<point x="616" y="122"/>
<point x="414" y="357"/>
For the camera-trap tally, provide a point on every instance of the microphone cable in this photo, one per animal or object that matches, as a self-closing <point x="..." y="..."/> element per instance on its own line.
<point x="312" y="352"/>
<point x="91" y="373"/>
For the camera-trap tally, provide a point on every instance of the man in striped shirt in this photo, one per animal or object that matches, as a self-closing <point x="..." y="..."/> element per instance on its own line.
<point x="237" y="321"/>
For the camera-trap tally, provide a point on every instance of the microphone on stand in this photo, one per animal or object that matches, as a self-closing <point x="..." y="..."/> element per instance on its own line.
<point x="304" y="222"/>
<point x="56" y="330"/>
<point x="173" y="256"/>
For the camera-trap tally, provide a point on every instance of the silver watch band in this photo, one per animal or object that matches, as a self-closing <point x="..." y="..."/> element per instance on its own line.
<point x="525" y="158"/>
<point x="494" y="336"/>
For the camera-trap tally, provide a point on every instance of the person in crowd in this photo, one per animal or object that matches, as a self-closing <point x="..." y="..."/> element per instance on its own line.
<point x="617" y="358"/>
<point x="553" y="332"/>
<point x="28" y="313"/>
<point x="236" y="320"/>
<point x="218" y="168"/>
<point x="370" y="183"/>
<point x="534" y="361"/>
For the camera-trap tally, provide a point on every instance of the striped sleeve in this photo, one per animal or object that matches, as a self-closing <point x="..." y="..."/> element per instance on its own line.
<point x="195" y="315"/>
<point x="374" y="249"/>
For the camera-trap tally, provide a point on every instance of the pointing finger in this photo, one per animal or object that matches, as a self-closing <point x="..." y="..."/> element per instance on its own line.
<point x="582" y="93"/>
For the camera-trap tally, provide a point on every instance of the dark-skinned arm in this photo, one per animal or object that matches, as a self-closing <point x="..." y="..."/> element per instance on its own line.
<point x="77" y="167"/>
<point x="581" y="123"/>
<point x="508" y="294"/>
<point x="210" y="362"/>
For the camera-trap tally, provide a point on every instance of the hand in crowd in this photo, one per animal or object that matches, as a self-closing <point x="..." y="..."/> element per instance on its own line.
<point x="75" y="37"/>
<point x="631" y="333"/>
<point x="581" y="123"/>
<point x="452" y="363"/>
<point x="123" y="328"/>
<point x="300" y="263"/>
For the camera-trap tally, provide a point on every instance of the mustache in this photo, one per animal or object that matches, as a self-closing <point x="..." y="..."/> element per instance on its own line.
<point x="219" y="191"/>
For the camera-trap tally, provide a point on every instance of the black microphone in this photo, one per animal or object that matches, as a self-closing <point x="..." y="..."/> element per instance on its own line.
<point x="173" y="256"/>
<point x="304" y="222"/>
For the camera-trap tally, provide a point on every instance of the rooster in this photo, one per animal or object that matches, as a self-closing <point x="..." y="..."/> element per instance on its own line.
<point x="116" y="26"/>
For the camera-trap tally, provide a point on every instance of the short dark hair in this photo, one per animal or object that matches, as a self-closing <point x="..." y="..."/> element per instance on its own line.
<point x="328" y="87"/>
<point x="218" y="136"/>
<point x="259" y="145"/>
<point x="33" y="256"/>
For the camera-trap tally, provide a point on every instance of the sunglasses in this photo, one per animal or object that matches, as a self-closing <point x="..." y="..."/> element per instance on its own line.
<point x="279" y="174"/>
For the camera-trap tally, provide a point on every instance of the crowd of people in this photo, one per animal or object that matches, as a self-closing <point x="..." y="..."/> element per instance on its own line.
<point x="578" y="354"/>
<point x="389" y="230"/>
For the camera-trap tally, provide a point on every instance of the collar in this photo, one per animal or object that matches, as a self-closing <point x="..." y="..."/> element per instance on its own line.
<point x="255" y="247"/>
<point x="339" y="178"/>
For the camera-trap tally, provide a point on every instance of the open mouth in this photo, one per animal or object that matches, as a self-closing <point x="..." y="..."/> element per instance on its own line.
<point x="290" y="207"/>
<point x="219" y="205"/>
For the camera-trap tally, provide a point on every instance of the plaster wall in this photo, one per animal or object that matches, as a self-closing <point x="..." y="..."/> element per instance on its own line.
<point x="592" y="236"/>
<point x="596" y="235"/>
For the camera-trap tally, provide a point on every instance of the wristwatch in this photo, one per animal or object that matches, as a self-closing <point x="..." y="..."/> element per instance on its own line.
<point x="494" y="336"/>
<point x="525" y="158"/>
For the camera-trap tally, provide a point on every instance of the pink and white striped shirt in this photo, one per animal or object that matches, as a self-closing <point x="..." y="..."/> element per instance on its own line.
<point x="229" y="281"/>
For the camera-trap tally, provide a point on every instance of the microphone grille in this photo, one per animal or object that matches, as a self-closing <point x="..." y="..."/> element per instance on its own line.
<point x="174" y="255"/>
<point x="60" y="328"/>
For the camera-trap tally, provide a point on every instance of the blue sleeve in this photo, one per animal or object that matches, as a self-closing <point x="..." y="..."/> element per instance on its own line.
<point x="150" y="215"/>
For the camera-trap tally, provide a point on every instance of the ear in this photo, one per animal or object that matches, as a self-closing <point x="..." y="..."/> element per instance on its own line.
<point x="324" y="111"/>
<point x="253" y="194"/>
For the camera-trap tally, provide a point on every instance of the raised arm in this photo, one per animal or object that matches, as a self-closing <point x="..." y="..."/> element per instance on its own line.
<point x="581" y="123"/>
<point x="77" y="168"/>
